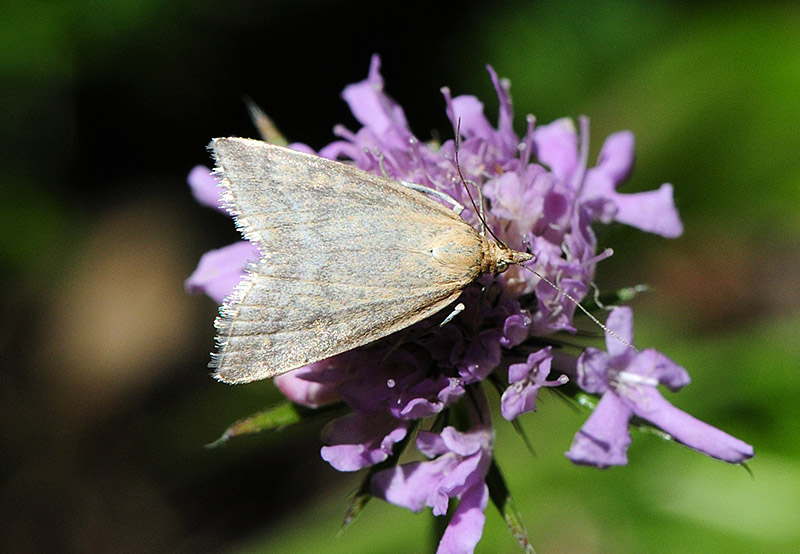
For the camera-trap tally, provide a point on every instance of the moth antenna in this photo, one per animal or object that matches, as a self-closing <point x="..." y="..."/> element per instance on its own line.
<point x="478" y="211"/>
<point x="581" y="308"/>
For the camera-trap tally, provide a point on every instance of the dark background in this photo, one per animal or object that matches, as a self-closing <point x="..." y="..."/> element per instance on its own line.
<point x="105" y="398"/>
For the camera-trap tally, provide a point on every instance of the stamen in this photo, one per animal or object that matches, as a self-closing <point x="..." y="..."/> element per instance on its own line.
<point x="581" y="308"/>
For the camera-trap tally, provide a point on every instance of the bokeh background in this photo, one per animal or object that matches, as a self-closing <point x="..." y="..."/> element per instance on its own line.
<point x="105" y="399"/>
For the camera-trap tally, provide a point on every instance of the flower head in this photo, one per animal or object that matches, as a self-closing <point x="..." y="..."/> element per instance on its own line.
<point x="540" y="195"/>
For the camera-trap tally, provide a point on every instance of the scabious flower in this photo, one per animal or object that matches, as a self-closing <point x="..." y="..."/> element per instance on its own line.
<point x="541" y="195"/>
<point x="627" y="381"/>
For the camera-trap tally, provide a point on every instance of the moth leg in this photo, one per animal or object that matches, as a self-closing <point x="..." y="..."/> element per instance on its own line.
<point x="457" y="310"/>
<point x="458" y="208"/>
<point x="408" y="337"/>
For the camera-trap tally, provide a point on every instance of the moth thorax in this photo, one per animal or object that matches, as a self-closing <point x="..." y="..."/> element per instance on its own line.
<point x="459" y="251"/>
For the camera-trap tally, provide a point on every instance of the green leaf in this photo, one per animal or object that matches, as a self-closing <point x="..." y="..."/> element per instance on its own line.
<point x="523" y="435"/>
<point x="501" y="498"/>
<point x="266" y="127"/>
<point x="607" y="299"/>
<point x="276" y="418"/>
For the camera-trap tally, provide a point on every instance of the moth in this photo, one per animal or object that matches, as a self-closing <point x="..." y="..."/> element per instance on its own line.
<point x="347" y="257"/>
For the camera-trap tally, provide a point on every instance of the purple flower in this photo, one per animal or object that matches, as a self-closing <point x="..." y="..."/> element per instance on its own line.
<point x="361" y="439"/>
<point x="627" y="380"/>
<point x="652" y="211"/>
<point x="219" y="271"/>
<point x="402" y="383"/>
<point x="524" y="382"/>
<point x="559" y="148"/>
<point x="205" y="188"/>
<point x="315" y="385"/>
<point x="541" y="195"/>
<point x="457" y="468"/>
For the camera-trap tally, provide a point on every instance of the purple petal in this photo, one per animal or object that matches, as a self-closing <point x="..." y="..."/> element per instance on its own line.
<point x="411" y="485"/>
<point x="515" y="329"/>
<point x="556" y="310"/>
<point x="557" y="147"/>
<point x="312" y="386"/>
<point x="449" y="475"/>
<point x="417" y="408"/>
<point x="525" y="381"/>
<point x="341" y="149"/>
<point x="592" y="368"/>
<point x="604" y="439"/>
<point x="505" y="129"/>
<point x="465" y="444"/>
<point x="371" y="106"/>
<point x="516" y="201"/>
<point x="517" y="399"/>
<point x="301" y="147"/>
<point x="421" y="399"/>
<point x="652" y="211"/>
<point x="556" y="207"/>
<point x="466" y="527"/>
<point x="650" y="368"/>
<point x="482" y="356"/>
<point x="616" y="157"/>
<point x="359" y="440"/>
<point x="692" y="432"/>
<point x="219" y="271"/>
<point x="205" y="188"/>
<point x="620" y="320"/>
<point x="452" y="392"/>
<point x="469" y="471"/>
<point x="536" y="367"/>
<point x="469" y="110"/>
<point x="581" y="243"/>
<point x="431" y="444"/>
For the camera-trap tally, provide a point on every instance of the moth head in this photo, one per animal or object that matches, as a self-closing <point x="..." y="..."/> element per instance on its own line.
<point x="500" y="257"/>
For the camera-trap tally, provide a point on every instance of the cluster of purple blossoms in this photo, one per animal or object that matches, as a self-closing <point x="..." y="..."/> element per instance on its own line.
<point x="540" y="197"/>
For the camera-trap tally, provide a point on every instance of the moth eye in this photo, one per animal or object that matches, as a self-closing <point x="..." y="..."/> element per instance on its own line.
<point x="501" y="266"/>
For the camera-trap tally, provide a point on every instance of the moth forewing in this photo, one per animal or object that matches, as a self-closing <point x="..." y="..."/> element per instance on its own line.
<point x="348" y="257"/>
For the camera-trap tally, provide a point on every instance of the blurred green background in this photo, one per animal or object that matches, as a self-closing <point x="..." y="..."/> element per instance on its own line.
<point x="105" y="400"/>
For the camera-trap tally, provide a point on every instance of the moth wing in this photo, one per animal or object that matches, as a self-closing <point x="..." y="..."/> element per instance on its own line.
<point x="346" y="259"/>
